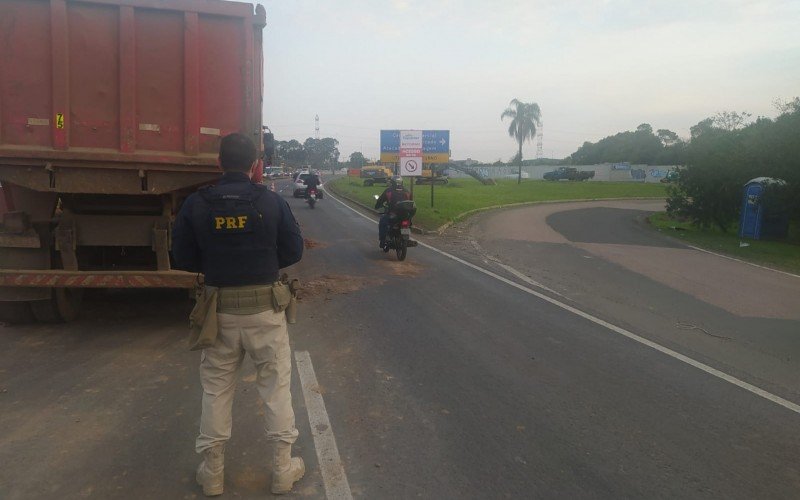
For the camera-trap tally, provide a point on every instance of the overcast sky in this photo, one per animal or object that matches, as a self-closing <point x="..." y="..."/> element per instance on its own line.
<point x="595" y="67"/>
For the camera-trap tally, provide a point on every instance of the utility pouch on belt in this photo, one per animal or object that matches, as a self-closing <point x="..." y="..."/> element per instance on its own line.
<point x="203" y="326"/>
<point x="291" y="311"/>
<point x="281" y="296"/>
<point x="293" y="286"/>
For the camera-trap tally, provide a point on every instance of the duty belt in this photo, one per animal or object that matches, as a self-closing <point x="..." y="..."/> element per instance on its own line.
<point x="245" y="299"/>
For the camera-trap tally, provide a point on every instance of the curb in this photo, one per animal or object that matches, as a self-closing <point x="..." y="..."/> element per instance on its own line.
<point x="468" y="213"/>
<point x="441" y="229"/>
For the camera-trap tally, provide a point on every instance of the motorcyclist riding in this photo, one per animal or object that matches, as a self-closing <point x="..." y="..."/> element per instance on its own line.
<point x="390" y="196"/>
<point x="312" y="183"/>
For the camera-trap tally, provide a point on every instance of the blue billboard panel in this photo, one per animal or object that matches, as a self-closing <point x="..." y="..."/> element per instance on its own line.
<point x="390" y="141"/>
<point x="433" y="141"/>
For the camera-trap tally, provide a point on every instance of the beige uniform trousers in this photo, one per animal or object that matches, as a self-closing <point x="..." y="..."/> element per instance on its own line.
<point x="265" y="338"/>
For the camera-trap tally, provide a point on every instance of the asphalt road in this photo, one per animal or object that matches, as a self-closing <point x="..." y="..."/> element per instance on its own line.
<point x="440" y="381"/>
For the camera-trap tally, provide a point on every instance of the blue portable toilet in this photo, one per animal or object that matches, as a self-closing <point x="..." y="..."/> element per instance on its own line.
<point x="760" y="219"/>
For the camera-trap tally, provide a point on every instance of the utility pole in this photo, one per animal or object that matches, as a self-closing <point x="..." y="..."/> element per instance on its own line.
<point x="433" y="178"/>
<point x="539" y="149"/>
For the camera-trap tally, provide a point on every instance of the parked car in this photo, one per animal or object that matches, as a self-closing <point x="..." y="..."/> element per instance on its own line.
<point x="568" y="174"/>
<point x="375" y="175"/>
<point x="672" y="176"/>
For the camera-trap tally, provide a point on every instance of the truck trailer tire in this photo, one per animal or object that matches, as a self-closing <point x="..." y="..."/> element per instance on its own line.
<point x="63" y="306"/>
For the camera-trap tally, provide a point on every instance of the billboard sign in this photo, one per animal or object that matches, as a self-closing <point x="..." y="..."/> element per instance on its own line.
<point x="435" y="146"/>
<point x="426" y="157"/>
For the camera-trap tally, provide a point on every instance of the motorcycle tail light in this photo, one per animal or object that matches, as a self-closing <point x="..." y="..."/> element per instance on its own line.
<point x="405" y="223"/>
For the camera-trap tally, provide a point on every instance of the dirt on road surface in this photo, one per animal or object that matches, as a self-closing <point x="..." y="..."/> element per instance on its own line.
<point x="332" y="284"/>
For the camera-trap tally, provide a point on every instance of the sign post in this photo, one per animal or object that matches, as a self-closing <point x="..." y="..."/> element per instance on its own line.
<point x="410" y="155"/>
<point x="432" y="183"/>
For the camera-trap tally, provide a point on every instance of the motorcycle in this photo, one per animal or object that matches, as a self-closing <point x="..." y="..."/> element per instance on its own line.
<point x="399" y="236"/>
<point x="311" y="197"/>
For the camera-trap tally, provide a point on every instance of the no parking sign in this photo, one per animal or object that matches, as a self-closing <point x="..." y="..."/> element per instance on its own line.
<point x="410" y="167"/>
<point x="411" y="153"/>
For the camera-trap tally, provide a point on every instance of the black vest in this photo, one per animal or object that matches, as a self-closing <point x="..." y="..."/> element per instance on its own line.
<point x="236" y="228"/>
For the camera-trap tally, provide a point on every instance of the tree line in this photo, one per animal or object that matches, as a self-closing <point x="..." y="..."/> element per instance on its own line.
<point x="722" y="153"/>
<point x="725" y="152"/>
<point x="641" y="146"/>
<point x="319" y="153"/>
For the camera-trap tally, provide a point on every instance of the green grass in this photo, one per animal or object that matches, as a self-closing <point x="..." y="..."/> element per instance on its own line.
<point x="461" y="196"/>
<point x="783" y="255"/>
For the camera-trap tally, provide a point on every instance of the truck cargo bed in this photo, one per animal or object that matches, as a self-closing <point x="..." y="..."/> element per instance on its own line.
<point x="111" y="113"/>
<point x="139" y="85"/>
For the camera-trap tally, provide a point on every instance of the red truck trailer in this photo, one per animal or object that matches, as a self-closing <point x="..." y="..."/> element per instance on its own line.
<point x="111" y="112"/>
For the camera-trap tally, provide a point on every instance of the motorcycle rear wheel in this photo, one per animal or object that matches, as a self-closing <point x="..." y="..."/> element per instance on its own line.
<point x="401" y="248"/>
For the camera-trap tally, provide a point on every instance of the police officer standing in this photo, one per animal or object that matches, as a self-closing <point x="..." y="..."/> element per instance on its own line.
<point x="239" y="234"/>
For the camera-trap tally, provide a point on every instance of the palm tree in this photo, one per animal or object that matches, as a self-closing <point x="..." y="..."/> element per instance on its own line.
<point x="525" y="116"/>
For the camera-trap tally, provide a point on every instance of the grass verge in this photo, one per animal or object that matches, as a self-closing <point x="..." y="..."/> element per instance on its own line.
<point x="462" y="196"/>
<point x="784" y="255"/>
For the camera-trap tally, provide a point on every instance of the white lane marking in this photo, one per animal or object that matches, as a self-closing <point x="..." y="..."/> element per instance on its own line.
<point x="527" y="279"/>
<point x="330" y="465"/>
<point x="616" y="329"/>
<point x="743" y="261"/>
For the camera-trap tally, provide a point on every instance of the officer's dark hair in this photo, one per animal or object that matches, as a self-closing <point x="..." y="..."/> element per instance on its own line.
<point x="237" y="153"/>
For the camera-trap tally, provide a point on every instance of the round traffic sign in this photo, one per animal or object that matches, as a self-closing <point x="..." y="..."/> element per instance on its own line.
<point x="411" y="166"/>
